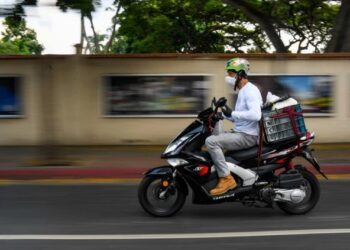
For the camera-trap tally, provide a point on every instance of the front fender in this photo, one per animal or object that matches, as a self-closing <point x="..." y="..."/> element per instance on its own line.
<point x="160" y="171"/>
<point x="168" y="171"/>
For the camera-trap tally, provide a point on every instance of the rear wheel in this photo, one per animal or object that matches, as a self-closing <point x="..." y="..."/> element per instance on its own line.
<point x="158" y="200"/>
<point x="311" y="187"/>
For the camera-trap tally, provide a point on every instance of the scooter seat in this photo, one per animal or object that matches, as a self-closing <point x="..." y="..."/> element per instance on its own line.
<point x="250" y="153"/>
<point x="245" y="154"/>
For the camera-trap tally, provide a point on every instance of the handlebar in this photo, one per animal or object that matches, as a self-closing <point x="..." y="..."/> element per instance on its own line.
<point x="219" y="103"/>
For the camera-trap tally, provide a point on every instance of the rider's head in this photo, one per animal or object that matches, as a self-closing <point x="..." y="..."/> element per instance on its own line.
<point x="237" y="69"/>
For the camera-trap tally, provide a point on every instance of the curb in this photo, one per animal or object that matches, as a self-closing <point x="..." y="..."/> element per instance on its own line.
<point x="71" y="173"/>
<point x="78" y="181"/>
<point x="119" y="181"/>
<point x="79" y="174"/>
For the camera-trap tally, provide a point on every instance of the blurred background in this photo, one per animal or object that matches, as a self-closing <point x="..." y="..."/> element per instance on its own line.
<point x="91" y="92"/>
<point x="135" y="73"/>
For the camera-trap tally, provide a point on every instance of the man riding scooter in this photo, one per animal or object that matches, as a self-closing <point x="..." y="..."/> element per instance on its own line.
<point x="246" y="116"/>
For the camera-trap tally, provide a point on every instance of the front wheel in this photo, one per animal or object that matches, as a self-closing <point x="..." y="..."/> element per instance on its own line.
<point x="312" y="189"/>
<point x="159" y="200"/>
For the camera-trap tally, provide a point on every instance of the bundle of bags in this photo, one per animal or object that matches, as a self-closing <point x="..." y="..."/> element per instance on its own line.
<point x="275" y="102"/>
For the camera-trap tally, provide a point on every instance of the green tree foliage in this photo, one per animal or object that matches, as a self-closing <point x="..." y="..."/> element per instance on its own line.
<point x="184" y="26"/>
<point x="306" y="24"/>
<point x="214" y="25"/>
<point x="86" y="7"/>
<point x="229" y="25"/>
<point x="18" y="39"/>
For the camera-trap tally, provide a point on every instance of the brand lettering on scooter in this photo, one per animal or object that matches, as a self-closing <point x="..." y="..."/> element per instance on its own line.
<point x="223" y="197"/>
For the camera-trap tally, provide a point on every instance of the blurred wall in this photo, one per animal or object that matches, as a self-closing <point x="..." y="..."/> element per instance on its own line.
<point x="63" y="96"/>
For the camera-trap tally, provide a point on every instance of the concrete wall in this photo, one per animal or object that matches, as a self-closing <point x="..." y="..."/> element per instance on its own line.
<point x="63" y="96"/>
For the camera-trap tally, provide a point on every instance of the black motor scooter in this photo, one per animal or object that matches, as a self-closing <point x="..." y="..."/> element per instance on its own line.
<point x="263" y="181"/>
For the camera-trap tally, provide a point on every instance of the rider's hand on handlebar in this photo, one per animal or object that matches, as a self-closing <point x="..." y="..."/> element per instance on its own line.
<point x="227" y="111"/>
<point x="221" y="102"/>
<point x="217" y="117"/>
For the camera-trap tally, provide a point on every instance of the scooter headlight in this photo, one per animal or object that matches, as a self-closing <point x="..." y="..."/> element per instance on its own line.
<point x="174" y="145"/>
<point x="176" y="162"/>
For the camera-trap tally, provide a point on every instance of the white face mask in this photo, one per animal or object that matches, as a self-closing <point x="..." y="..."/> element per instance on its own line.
<point x="230" y="80"/>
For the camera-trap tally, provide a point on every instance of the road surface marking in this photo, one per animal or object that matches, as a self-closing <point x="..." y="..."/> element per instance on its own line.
<point x="176" y="236"/>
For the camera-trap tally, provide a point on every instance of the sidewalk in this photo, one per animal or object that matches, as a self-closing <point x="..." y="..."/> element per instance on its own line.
<point x="122" y="163"/>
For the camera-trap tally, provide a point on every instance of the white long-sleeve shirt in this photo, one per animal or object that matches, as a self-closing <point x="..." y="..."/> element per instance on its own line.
<point x="247" y="111"/>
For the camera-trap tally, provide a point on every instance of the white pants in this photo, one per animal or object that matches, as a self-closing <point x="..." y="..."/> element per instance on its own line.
<point x="221" y="141"/>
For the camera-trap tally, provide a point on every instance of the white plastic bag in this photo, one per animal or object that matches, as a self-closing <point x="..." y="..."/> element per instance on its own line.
<point x="289" y="102"/>
<point x="270" y="98"/>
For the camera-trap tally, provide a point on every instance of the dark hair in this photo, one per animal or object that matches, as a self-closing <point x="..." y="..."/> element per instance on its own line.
<point x="242" y="74"/>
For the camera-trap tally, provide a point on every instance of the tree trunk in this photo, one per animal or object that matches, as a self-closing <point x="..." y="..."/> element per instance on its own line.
<point x="264" y="21"/>
<point x="340" y="41"/>
<point x="83" y="37"/>
<point x="82" y="30"/>
<point x="96" y="42"/>
<point x="114" y="21"/>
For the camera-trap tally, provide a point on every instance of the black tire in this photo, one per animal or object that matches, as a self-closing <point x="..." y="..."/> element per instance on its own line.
<point x="312" y="196"/>
<point x="148" y="195"/>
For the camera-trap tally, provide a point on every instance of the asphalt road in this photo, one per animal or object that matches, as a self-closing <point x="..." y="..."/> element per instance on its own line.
<point x="89" y="213"/>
